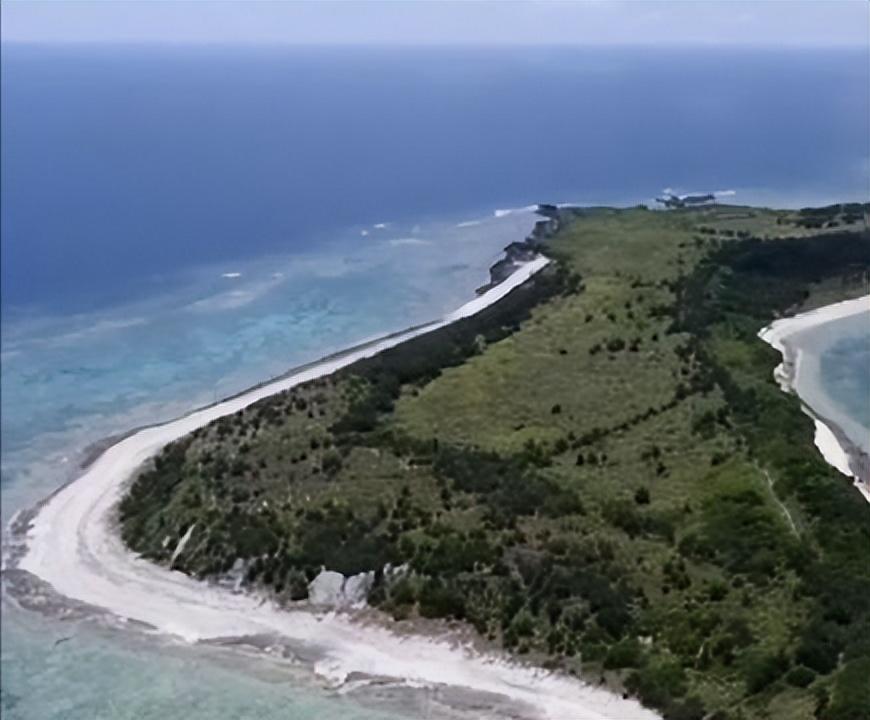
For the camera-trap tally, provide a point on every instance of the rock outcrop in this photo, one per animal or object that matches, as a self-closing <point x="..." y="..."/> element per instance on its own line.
<point x="331" y="589"/>
<point x="518" y="253"/>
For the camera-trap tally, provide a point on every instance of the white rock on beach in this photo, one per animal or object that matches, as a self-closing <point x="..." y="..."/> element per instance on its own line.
<point x="357" y="587"/>
<point x="332" y="589"/>
<point x="326" y="589"/>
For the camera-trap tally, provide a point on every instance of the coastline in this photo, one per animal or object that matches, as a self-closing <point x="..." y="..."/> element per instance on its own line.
<point x="831" y="440"/>
<point x="70" y="543"/>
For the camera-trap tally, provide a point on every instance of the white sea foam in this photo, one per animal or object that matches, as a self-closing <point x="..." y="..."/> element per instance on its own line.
<point x="511" y="211"/>
<point x="241" y="296"/>
<point x="73" y="545"/>
<point x="398" y="242"/>
<point x="380" y="226"/>
<point x="100" y="327"/>
<point x="469" y="223"/>
<point x="223" y="301"/>
<point x="231" y="275"/>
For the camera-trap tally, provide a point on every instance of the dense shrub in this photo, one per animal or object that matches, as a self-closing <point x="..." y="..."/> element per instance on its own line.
<point x="624" y="654"/>
<point x="851" y="696"/>
<point x="760" y="669"/>
<point x="659" y="683"/>
<point x="800" y="676"/>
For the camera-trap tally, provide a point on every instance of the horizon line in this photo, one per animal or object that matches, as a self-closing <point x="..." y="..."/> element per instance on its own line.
<point x="429" y="45"/>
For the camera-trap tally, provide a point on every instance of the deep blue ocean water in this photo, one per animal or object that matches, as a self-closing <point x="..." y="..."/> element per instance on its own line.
<point x="123" y="164"/>
<point x="179" y="223"/>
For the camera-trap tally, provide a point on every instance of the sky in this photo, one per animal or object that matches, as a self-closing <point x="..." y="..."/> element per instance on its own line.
<point x="810" y="23"/>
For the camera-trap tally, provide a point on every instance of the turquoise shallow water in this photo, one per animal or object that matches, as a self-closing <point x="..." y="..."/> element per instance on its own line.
<point x="845" y="371"/>
<point x="833" y="376"/>
<point x="101" y="676"/>
<point x="68" y="382"/>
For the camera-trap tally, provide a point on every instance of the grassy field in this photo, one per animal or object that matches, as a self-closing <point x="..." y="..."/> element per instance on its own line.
<point x="601" y="475"/>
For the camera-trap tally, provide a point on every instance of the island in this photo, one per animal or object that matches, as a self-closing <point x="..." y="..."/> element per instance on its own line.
<point x="589" y="473"/>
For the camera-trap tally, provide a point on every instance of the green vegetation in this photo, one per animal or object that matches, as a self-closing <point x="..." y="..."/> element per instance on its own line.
<point x="598" y="472"/>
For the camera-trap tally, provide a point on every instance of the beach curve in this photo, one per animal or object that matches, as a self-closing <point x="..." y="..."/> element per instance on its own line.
<point x="72" y="543"/>
<point x="829" y="439"/>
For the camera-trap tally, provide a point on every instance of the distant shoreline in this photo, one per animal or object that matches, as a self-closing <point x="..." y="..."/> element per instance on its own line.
<point x="832" y="441"/>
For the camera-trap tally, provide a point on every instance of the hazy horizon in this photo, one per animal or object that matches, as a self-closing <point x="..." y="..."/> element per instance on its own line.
<point x="791" y="23"/>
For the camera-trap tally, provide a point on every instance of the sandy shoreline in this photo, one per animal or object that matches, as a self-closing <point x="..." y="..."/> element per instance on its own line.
<point x="833" y="443"/>
<point x="72" y="544"/>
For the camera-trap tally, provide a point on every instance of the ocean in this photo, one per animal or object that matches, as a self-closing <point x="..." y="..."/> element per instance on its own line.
<point x="834" y="377"/>
<point x="179" y="223"/>
<point x="846" y="379"/>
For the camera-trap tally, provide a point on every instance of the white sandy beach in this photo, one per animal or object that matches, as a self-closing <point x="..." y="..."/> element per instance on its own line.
<point x="74" y="546"/>
<point x="789" y="374"/>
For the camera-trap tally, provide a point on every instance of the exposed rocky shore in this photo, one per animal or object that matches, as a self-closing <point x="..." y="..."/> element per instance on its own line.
<point x="520" y="252"/>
